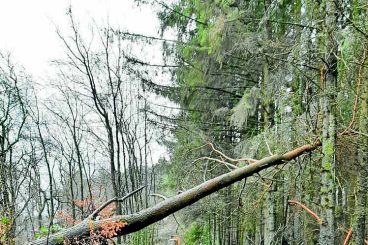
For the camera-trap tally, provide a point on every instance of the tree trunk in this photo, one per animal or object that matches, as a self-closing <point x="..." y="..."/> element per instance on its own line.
<point x="328" y="87"/>
<point x="360" y="213"/>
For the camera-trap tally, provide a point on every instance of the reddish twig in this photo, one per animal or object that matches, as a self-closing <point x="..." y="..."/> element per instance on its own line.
<point x="314" y="215"/>
<point x="348" y="236"/>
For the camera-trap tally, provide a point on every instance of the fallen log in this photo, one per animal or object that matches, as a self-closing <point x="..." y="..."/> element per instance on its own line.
<point x="142" y="219"/>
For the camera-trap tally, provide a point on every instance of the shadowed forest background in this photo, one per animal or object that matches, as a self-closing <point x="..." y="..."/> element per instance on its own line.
<point x="130" y="121"/>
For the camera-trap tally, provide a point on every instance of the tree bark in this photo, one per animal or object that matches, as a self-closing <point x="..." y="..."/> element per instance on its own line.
<point x="138" y="221"/>
<point x="360" y="213"/>
<point x="328" y="100"/>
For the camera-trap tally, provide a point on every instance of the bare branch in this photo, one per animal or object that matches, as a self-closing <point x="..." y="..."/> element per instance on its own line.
<point x="115" y="199"/>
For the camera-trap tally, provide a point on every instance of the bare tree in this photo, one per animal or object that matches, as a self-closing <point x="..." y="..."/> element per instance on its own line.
<point x="14" y="165"/>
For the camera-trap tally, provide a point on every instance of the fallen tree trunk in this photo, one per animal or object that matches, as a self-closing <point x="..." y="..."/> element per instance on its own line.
<point x="138" y="221"/>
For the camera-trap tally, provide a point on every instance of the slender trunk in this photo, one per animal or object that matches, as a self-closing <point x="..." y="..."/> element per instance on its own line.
<point x="49" y="172"/>
<point x="328" y="87"/>
<point x="270" y="218"/>
<point x="79" y="161"/>
<point x="112" y="157"/>
<point x="72" y="190"/>
<point x="270" y="211"/>
<point x="145" y="154"/>
<point x="360" y="213"/>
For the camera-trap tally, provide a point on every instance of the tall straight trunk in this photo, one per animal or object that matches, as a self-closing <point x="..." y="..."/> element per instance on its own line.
<point x="297" y="219"/>
<point x="79" y="161"/>
<point x="328" y="87"/>
<point x="270" y="210"/>
<point x="270" y="217"/>
<point x="259" y="236"/>
<point x="145" y="154"/>
<point x="360" y="213"/>
<point x="111" y="149"/>
<point x="71" y="187"/>
<point x="293" y="184"/>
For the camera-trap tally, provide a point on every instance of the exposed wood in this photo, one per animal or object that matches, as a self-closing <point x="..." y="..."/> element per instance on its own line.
<point x="348" y="236"/>
<point x="176" y="239"/>
<point x="314" y="215"/>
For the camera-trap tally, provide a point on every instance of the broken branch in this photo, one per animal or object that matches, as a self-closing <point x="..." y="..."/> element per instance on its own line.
<point x="314" y="215"/>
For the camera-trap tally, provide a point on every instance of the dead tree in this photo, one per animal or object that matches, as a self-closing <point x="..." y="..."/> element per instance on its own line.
<point x="137" y="221"/>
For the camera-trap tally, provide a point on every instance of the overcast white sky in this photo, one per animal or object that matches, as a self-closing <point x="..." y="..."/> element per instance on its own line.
<point x="27" y="31"/>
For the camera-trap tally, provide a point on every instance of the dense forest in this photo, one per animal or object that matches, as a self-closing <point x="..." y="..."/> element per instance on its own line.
<point x="261" y="108"/>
